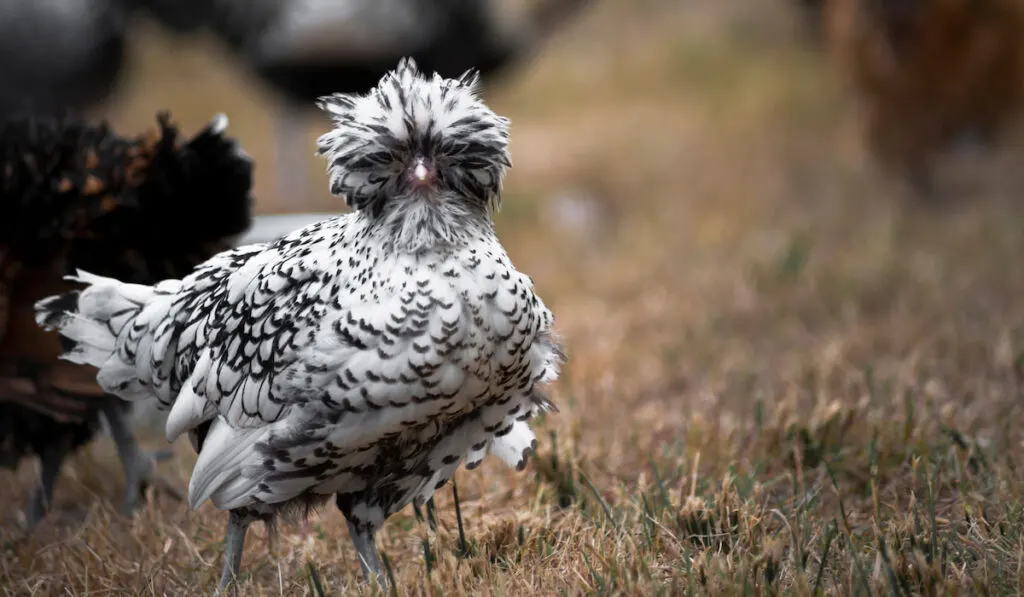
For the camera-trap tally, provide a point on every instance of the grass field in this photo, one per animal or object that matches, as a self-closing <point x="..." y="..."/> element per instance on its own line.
<point x="784" y="378"/>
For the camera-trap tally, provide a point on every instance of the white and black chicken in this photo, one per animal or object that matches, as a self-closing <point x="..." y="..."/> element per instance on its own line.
<point x="364" y="357"/>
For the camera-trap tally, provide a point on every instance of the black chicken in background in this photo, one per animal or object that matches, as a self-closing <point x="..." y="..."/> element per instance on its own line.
<point x="306" y="49"/>
<point x="74" y="195"/>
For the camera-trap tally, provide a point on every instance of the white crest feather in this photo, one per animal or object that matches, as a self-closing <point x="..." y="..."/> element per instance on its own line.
<point x="377" y="133"/>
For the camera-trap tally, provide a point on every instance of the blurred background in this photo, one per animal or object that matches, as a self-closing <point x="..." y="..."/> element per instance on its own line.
<point x="771" y="241"/>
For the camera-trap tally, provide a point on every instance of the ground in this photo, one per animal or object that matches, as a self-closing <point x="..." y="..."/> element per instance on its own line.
<point x="784" y="377"/>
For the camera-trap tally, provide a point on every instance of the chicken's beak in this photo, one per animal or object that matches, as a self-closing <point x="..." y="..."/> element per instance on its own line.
<point x="422" y="175"/>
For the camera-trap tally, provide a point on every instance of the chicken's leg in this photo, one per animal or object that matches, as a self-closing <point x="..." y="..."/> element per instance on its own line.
<point x="39" y="502"/>
<point x="234" y="543"/>
<point x="366" y="546"/>
<point x="139" y="469"/>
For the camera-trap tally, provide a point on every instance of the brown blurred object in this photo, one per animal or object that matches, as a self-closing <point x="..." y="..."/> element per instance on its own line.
<point x="929" y="73"/>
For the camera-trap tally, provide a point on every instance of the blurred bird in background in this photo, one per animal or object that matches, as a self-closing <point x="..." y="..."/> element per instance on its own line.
<point x="306" y="49"/>
<point x="930" y="73"/>
<point x="74" y="195"/>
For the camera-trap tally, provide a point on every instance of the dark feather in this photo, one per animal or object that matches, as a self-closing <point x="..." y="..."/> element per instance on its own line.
<point x="75" y="195"/>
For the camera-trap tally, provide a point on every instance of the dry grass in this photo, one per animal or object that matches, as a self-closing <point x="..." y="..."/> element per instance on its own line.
<point x="783" y="379"/>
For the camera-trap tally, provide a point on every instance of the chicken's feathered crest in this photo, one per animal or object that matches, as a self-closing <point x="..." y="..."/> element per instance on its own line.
<point x="409" y="116"/>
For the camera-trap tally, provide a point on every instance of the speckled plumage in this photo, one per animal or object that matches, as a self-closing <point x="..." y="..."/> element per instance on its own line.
<point x="366" y="356"/>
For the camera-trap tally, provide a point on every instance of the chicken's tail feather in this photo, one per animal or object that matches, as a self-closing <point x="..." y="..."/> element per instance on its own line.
<point x="97" y="321"/>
